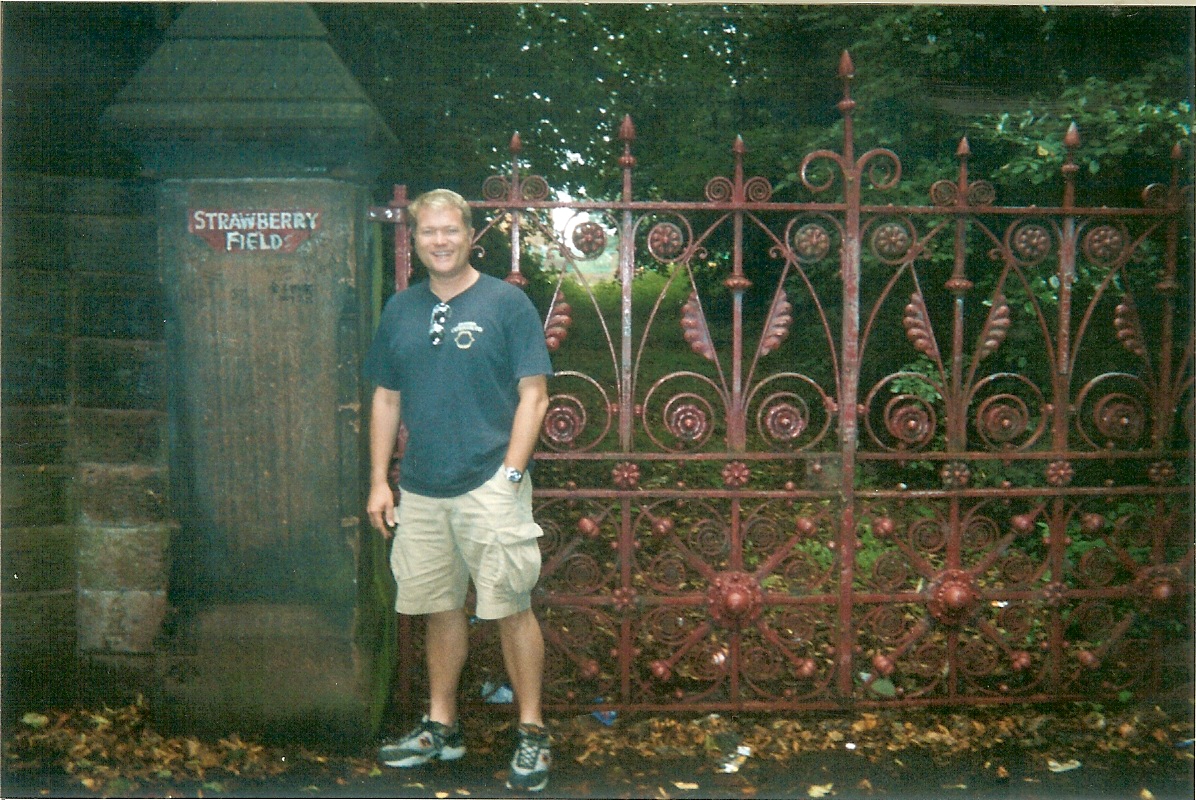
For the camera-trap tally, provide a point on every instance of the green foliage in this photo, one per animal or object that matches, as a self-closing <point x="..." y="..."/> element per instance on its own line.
<point x="1127" y="129"/>
<point x="456" y="81"/>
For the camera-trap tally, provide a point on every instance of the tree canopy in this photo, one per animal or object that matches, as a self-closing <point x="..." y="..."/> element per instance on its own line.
<point x="456" y="81"/>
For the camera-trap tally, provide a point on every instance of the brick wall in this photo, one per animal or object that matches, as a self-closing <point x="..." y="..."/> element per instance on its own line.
<point x="85" y="533"/>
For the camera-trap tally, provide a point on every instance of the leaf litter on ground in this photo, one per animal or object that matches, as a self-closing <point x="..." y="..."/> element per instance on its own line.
<point x="116" y="751"/>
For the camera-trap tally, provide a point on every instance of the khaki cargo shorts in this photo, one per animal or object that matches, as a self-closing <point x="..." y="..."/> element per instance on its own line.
<point x="487" y="535"/>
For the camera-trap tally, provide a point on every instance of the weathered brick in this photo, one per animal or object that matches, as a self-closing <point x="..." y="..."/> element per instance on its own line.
<point x="36" y="303"/>
<point x="63" y="195"/>
<point x="120" y="621"/>
<point x="36" y="371"/>
<point x="120" y="307"/>
<point x="120" y="437"/>
<point x="36" y="497"/>
<point x="120" y="375"/>
<point x="39" y="645"/>
<point x="35" y="241"/>
<point x="114" y="559"/>
<point x="38" y="628"/>
<point x="112" y="244"/>
<point x="122" y="495"/>
<point x="35" y="436"/>
<point x="38" y="559"/>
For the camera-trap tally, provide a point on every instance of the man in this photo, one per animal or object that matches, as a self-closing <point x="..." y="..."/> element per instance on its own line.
<point x="463" y="356"/>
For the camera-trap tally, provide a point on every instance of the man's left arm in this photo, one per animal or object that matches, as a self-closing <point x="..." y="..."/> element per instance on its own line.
<point x="529" y="415"/>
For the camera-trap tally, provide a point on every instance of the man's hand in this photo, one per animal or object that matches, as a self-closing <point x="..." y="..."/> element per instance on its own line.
<point x="381" y="509"/>
<point x="384" y="428"/>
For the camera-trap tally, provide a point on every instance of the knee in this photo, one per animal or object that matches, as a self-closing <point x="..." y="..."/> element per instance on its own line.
<point x="518" y="621"/>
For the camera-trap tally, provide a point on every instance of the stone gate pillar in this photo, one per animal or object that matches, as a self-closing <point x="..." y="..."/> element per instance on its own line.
<point x="262" y="146"/>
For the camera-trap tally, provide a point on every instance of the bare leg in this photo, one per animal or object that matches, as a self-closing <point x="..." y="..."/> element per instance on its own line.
<point x="523" y="654"/>
<point x="447" y="646"/>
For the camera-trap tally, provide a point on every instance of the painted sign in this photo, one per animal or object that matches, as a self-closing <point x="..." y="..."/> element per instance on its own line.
<point x="269" y="230"/>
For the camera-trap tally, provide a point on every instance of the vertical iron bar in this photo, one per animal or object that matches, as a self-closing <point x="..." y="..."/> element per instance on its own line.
<point x="626" y="276"/>
<point x="1165" y="397"/>
<point x="849" y="262"/>
<point x="737" y="283"/>
<point x="402" y="239"/>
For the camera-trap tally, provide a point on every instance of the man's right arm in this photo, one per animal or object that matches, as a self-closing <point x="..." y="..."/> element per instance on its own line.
<point x="384" y="430"/>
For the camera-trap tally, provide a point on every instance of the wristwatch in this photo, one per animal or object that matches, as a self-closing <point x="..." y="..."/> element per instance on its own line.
<point x="513" y="475"/>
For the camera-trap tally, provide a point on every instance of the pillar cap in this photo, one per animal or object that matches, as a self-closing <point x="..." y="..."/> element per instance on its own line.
<point x="243" y="89"/>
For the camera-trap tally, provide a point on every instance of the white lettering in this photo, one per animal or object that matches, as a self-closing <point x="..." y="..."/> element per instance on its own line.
<point x="197" y="220"/>
<point x="232" y="238"/>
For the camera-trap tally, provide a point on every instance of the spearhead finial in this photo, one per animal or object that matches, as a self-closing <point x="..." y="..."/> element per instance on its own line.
<point x="627" y="130"/>
<point x="846" y="67"/>
<point x="1071" y="140"/>
<point x="516" y="143"/>
<point x="964" y="150"/>
<point x="739" y="148"/>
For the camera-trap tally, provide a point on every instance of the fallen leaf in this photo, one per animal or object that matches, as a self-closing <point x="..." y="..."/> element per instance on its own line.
<point x="1002" y="772"/>
<point x="864" y="785"/>
<point x="1146" y="794"/>
<point x="685" y="786"/>
<point x="35" y="720"/>
<point x="1066" y="766"/>
<point x="821" y="790"/>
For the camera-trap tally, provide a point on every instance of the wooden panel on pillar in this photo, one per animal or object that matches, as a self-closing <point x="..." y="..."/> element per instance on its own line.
<point x="261" y="285"/>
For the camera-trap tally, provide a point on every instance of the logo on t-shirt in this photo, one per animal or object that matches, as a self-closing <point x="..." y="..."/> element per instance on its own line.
<point x="463" y="334"/>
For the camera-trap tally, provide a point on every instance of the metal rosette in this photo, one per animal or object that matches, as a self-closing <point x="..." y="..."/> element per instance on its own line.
<point x="908" y="421"/>
<point x="567" y="425"/>
<point x="682" y="420"/>
<point x="1112" y="412"/>
<point x="1008" y="412"/>
<point x="892" y="240"/>
<point x="667" y="237"/>
<point x="1107" y="245"/>
<point x="791" y="411"/>
<point x="1028" y="241"/>
<point x="587" y="235"/>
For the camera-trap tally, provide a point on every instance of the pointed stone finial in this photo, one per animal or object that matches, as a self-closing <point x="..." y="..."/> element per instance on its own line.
<point x="1071" y="139"/>
<point x="627" y="130"/>
<point x="846" y="67"/>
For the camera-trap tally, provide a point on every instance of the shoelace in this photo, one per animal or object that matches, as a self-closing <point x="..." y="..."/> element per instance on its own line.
<point x="529" y="750"/>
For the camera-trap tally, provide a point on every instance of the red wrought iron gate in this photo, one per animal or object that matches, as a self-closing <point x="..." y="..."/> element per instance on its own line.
<point x="807" y="454"/>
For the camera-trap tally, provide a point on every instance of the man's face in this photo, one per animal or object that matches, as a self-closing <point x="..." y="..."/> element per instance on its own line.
<point x="442" y="241"/>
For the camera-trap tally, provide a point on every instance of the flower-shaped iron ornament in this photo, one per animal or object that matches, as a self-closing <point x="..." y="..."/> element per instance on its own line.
<point x="590" y="239"/>
<point x="1060" y="473"/>
<point x="626" y="475"/>
<point x="736" y="475"/>
<point x="811" y="243"/>
<point x="955" y="475"/>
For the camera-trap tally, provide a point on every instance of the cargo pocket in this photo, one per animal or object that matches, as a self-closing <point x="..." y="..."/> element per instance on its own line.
<point x="519" y="558"/>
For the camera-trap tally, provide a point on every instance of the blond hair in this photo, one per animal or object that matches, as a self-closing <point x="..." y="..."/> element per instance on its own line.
<point x="439" y="198"/>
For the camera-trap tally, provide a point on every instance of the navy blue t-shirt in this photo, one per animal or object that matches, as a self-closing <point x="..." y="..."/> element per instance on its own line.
<point x="458" y="398"/>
